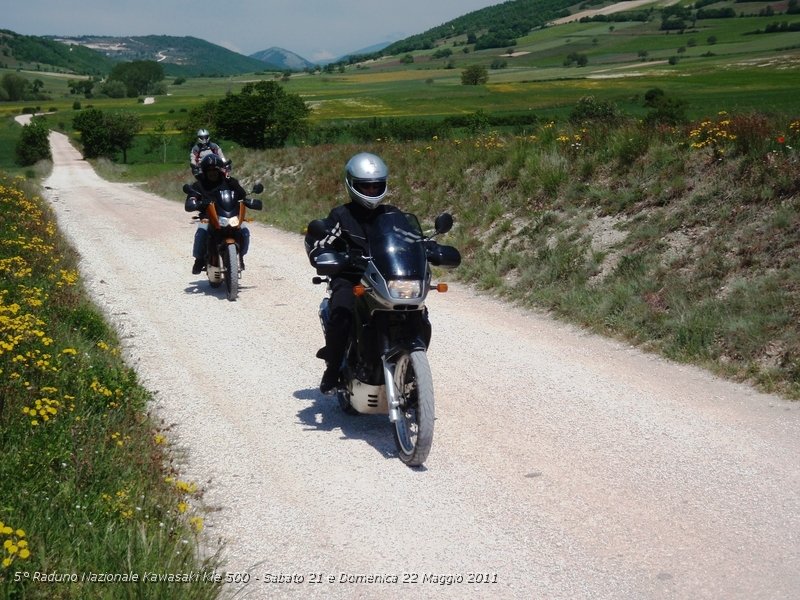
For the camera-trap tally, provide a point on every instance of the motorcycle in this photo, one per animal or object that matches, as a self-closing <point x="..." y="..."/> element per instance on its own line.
<point x="223" y="221"/>
<point x="386" y="369"/>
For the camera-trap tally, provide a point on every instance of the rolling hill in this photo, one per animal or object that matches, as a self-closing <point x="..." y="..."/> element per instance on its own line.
<point x="187" y="56"/>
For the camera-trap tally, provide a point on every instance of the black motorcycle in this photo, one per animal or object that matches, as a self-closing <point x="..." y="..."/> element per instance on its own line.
<point x="386" y="370"/>
<point x="223" y="219"/>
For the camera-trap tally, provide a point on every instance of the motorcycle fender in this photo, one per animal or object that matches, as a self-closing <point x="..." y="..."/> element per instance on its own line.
<point x="230" y="240"/>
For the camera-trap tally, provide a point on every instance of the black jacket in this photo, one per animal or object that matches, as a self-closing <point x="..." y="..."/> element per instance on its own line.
<point x="347" y="224"/>
<point x="204" y="191"/>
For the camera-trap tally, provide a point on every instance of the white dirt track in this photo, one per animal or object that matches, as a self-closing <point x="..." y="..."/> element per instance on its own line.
<point x="564" y="465"/>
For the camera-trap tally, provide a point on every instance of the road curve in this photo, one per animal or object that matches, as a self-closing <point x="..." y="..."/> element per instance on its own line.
<point x="564" y="465"/>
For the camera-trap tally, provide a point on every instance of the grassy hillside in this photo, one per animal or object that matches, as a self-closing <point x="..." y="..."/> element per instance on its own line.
<point x="41" y="54"/>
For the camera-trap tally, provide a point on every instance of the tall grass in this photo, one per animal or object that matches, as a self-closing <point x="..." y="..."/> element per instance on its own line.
<point x="84" y="477"/>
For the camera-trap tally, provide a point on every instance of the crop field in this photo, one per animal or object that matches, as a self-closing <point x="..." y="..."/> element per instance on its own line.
<point x="714" y="65"/>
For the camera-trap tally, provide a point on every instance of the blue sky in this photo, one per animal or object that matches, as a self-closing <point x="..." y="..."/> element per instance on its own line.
<point x="315" y="29"/>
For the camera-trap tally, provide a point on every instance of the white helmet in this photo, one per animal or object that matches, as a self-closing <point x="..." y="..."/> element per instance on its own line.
<point x="203" y="136"/>
<point x="365" y="178"/>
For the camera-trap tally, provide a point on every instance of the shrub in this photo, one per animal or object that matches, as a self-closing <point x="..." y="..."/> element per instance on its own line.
<point x="33" y="144"/>
<point x="589" y="108"/>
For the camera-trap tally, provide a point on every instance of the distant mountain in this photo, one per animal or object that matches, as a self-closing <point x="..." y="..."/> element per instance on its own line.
<point x="188" y="56"/>
<point x="283" y="59"/>
<point x="375" y="48"/>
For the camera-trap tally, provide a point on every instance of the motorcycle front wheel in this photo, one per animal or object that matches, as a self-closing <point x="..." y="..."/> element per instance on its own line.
<point x="231" y="261"/>
<point x="414" y="429"/>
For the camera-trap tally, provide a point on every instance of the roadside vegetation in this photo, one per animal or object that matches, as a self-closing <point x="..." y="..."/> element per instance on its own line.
<point x="86" y="480"/>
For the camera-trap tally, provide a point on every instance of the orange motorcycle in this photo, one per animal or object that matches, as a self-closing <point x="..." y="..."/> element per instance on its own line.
<point x="223" y="216"/>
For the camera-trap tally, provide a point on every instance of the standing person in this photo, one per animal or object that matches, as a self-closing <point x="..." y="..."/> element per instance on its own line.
<point x="211" y="180"/>
<point x="203" y="148"/>
<point x="366" y="178"/>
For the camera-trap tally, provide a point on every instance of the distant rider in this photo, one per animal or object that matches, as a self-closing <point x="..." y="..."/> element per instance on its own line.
<point x="203" y="148"/>
<point x="365" y="179"/>
<point x="211" y="180"/>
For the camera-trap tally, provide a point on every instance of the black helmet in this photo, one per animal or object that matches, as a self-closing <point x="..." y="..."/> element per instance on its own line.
<point x="212" y="161"/>
<point x="365" y="178"/>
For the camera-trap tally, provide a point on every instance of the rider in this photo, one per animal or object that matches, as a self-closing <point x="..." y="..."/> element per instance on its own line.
<point x="211" y="180"/>
<point x="203" y="148"/>
<point x="365" y="179"/>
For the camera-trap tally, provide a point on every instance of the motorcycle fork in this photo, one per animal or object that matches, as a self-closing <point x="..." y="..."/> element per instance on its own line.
<point x="390" y="353"/>
<point x="389" y="359"/>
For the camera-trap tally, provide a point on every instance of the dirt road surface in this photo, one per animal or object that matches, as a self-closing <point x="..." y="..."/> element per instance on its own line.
<point x="564" y="465"/>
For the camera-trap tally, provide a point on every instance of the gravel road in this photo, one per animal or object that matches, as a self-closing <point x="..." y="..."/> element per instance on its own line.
<point x="564" y="465"/>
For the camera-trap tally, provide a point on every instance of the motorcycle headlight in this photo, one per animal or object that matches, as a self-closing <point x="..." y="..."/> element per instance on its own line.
<point x="405" y="288"/>
<point x="229" y="222"/>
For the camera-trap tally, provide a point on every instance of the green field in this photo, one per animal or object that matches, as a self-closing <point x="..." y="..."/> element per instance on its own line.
<point x="740" y="70"/>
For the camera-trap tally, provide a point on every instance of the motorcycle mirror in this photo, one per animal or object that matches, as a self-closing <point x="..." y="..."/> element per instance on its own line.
<point x="443" y="223"/>
<point x="258" y="188"/>
<point x="317" y="229"/>
<point x="187" y="189"/>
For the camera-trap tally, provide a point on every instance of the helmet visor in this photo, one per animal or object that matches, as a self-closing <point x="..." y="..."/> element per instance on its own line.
<point x="370" y="189"/>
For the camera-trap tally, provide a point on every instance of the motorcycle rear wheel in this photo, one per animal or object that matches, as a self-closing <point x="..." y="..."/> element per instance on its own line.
<point x="231" y="261"/>
<point x="414" y="429"/>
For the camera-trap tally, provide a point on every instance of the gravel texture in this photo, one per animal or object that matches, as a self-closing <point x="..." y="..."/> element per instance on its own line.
<point x="564" y="465"/>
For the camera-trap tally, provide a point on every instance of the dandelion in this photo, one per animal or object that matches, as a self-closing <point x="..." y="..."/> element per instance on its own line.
<point x="196" y="523"/>
<point x="15" y="546"/>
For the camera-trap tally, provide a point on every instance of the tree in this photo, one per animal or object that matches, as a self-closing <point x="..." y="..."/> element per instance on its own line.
<point x="122" y="129"/>
<point x="262" y="115"/>
<point x="114" y="89"/>
<point x="139" y="76"/>
<point x="81" y="86"/>
<point x="474" y="75"/>
<point x="158" y="140"/>
<point x="105" y="134"/>
<point x="33" y="144"/>
<point x="15" y="86"/>
<point x="91" y="125"/>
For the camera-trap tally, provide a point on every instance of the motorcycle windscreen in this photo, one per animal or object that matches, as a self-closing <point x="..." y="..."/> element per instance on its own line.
<point x="227" y="205"/>
<point x="395" y="242"/>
